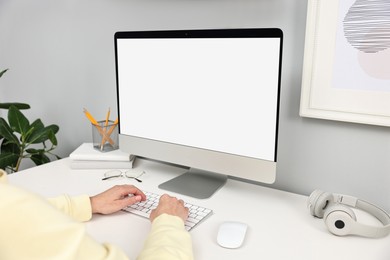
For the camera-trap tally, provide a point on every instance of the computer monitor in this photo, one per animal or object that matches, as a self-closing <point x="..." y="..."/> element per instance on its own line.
<point x="204" y="99"/>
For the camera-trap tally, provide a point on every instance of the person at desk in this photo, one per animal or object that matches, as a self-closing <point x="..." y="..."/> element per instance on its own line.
<point x="31" y="228"/>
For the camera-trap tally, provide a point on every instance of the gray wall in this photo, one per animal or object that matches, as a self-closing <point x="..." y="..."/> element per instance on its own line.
<point x="61" y="59"/>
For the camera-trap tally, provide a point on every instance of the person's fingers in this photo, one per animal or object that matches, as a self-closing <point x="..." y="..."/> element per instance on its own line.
<point x="126" y="189"/>
<point x="172" y="206"/>
<point x="129" y="200"/>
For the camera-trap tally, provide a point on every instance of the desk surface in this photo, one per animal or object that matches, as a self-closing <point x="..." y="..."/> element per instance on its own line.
<point x="280" y="226"/>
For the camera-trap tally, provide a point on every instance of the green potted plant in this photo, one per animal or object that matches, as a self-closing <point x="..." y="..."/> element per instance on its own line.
<point x="19" y="139"/>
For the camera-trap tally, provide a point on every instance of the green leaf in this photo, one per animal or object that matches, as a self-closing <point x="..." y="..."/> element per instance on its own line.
<point x="32" y="151"/>
<point x="18" y="105"/>
<point x="43" y="134"/>
<point x="4" y="71"/>
<point x="35" y="132"/>
<point x="7" y="147"/>
<point x="8" y="159"/>
<point x="38" y="134"/>
<point x="7" y="132"/>
<point x="40" y="158"/>
<point x="54" y="128"/>
<point x="37" y="124"/>
<point x="18" y="122"/>
<point x="52" y="138"/>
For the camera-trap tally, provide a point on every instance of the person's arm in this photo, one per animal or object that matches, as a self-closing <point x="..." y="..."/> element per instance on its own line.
<point x="78" y="207"/>
<point x="42" y="232"/>
<point x="168" y="239"/>
<point x="112" y="200"/>
<point x="31" y="228"/>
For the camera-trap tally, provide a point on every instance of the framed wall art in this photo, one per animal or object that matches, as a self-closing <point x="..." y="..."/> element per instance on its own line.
<point x="346" y="71"/>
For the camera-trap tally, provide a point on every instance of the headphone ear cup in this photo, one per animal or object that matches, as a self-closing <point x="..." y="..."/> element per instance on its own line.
<point x="318" y="202"/>
<point x="339" y="220"/>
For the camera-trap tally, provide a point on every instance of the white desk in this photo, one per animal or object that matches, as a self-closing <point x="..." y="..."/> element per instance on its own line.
<point x="280" y="226"/>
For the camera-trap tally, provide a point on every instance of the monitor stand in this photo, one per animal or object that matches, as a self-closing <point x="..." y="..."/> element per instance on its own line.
<point x="195" y="183"/>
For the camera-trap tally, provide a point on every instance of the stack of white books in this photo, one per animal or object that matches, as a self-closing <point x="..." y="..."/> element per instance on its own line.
<point x="87" y="157"/>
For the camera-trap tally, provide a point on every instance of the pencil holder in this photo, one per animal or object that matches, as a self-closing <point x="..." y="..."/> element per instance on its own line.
<point x="105" y="136"/>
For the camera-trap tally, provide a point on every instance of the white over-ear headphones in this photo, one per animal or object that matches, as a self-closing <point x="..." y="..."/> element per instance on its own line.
<point x="341" y="220"/>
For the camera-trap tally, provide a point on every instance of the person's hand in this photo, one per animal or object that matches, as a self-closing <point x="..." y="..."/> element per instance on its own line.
<point x="116" y="198"/>
<point x="170" y="205"/>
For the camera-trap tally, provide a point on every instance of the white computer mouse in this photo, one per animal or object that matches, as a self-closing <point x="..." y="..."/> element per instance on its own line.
<point x="231" y="234"/>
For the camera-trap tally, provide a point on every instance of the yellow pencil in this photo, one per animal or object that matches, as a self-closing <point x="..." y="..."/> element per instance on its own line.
<point x="109" y="132"/>
<point x="108" y="116"/>
<point x="90" y="117"/>
<point x="105" y="130"/>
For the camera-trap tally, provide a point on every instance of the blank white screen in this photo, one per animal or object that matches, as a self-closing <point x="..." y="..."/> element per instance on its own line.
<point x="215" y="94"/>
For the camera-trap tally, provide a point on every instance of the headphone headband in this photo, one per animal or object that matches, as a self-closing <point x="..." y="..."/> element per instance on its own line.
<point x="374" y="210"/>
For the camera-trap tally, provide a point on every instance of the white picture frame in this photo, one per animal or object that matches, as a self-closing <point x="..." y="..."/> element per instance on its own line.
<point x="341" y="80"/>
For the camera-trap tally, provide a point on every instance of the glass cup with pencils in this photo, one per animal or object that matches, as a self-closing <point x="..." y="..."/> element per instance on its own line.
<point x="104" y="133"/>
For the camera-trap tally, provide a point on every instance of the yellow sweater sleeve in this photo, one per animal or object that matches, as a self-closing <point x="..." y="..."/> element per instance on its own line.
<point x="78" y="207"/>
<point x="168" y="240"/>
<point x="31" y="228"/>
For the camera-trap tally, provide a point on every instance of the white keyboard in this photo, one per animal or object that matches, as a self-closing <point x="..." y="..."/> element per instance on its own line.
<point x="144" y="208"/>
